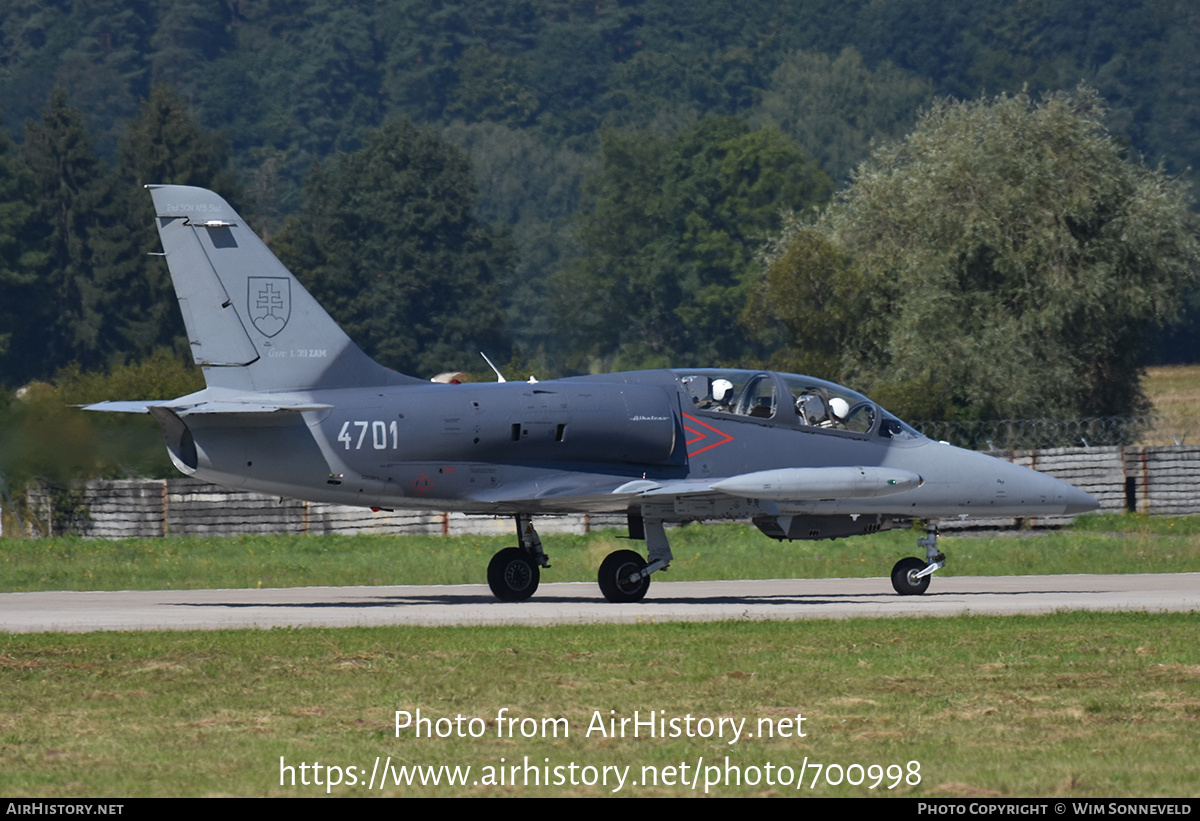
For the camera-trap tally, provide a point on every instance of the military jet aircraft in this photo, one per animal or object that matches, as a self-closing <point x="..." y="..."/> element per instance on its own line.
<point x="294" y="408"/>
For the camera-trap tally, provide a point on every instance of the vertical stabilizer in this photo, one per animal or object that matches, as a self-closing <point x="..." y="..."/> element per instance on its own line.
<point x="251" y="325"/>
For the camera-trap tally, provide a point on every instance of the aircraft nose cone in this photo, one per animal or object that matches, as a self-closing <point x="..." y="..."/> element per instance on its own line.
<point x="1079" y="502"/>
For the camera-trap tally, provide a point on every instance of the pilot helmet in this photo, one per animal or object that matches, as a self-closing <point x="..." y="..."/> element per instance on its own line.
<point x="839" y="406"/>
<point x="720" y="388"/>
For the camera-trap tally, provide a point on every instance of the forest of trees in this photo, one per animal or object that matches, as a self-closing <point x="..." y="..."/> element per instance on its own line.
<point x="578" y="186"/>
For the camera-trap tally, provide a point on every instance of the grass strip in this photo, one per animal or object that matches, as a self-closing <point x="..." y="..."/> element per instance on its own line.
<point x="1068" y="705"/>
<point x="1094" y="544"/>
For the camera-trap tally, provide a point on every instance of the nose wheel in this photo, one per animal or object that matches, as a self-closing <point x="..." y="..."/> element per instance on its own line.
<point x="905" y="579"/>
<point x="910" y="575"/>
<point x="621" y="577"/>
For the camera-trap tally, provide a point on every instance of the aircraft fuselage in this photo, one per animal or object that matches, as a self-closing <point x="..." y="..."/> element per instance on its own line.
<point x="566" y="445"/>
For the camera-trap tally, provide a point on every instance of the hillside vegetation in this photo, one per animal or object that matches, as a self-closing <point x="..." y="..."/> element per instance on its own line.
<point x="579" y="186"/>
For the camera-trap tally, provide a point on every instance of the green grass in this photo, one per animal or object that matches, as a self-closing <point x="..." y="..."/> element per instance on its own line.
<point x="1068" y="705"/>
<point x="1095" y="544"/>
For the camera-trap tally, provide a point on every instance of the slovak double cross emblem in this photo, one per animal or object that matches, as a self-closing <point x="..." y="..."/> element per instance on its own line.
<point x="269" y="304"/>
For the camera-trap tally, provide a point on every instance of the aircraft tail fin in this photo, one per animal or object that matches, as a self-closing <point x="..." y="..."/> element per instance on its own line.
<point x="251" y="325"/>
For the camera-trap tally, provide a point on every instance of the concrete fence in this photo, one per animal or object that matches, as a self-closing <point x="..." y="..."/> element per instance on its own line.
<point x="141" y="508"/>
<point x="1150" y="479"/>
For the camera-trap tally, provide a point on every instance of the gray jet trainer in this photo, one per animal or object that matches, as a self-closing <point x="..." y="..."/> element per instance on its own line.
<point x="294" y="408"/>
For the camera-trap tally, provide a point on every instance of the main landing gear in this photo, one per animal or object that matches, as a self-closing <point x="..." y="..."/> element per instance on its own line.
<point x="910" y="576"/>
<point x="514" y="572"/>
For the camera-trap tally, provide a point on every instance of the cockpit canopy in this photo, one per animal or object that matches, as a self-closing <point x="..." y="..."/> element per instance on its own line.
<point x="790" y="399"/>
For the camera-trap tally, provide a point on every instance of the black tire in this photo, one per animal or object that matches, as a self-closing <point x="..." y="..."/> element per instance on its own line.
<point x="614" y="573"/>
<point x="513" y="575"/>
<point x="902" y="577"/>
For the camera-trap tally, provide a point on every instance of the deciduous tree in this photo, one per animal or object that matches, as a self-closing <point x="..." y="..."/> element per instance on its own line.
<point x="834" y="107"/>
<point x="671" y="232"/>
<point x="1015" y="262"/>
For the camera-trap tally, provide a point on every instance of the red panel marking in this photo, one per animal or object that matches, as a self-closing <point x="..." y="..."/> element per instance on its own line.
<point x="695" y="438"/>
<point x="700" y="435"/>
<point x="421" y="485"/>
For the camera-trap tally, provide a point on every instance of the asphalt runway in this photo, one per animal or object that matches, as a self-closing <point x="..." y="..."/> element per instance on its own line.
<point x="581" y="603"/>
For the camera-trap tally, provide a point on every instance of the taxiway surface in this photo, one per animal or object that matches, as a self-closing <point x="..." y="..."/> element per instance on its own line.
<point x="581" y="603"/>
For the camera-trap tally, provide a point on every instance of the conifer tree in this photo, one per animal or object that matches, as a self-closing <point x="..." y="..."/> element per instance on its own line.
<point x="71" y="191"/>
<point x="162" y="145"/>
<point x="387" y="241"/>
<point x="20" y="260"/>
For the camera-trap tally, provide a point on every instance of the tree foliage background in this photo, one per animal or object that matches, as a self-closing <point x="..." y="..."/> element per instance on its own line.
<point x="387" y="240"/>
<point x="618" y="166"/>
<point x="1009" y="260"/>
<point x="671" y="228"/>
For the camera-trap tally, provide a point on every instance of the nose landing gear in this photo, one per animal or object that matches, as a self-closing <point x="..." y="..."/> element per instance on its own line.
<point x="910" y="575"/>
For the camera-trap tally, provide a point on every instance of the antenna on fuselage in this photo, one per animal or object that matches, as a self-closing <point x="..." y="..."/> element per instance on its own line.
<point x="499" y="376"/>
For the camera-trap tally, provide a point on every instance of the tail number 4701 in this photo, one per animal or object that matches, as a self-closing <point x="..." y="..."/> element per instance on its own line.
<point x="380" y="432"/>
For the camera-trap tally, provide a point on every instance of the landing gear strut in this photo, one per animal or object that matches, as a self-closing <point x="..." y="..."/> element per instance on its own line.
<point x="513" y="573"/>
<point x="624" y="575"/>
<point x="910" y="576"/>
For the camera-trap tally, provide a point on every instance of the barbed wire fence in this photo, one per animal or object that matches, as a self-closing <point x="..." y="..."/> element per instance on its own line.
<point x="1031" y="434"/>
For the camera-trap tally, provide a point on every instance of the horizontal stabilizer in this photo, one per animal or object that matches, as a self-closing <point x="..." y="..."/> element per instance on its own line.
<point x="191" y="409"/>
<point x="122" y="407"/>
